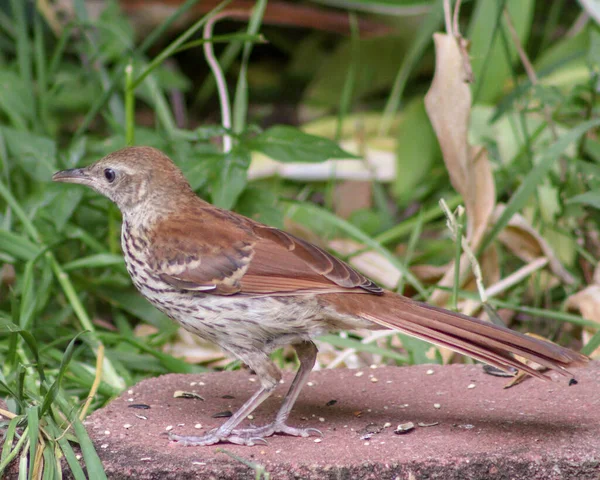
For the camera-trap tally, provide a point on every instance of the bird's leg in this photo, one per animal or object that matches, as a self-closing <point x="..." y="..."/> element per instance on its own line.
<point x="307" y="355"/>
<point x="269" y="376"/>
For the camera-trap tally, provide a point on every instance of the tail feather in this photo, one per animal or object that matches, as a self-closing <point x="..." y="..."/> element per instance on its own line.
<point x="472" y="337"/>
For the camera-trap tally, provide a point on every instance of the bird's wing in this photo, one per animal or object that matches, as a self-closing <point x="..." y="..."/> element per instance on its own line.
<point x="220" y="252"/>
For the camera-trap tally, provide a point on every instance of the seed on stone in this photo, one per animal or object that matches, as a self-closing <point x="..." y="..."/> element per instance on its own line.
<point x="366" y="444"/>
<point x="387" y="425"/>
<point x="310" y="384"/>
<point x="106" y="432"/>
<point x="318" y="440"/>
<point x="104" y="445"/>
<point x="471" y="385"/>
<point x="225" y="414"/>
<point x="359" y="374"/>
<point x="127" y="425"/>
<point x="130" y="392"/>
<point x="141" y="417"/>
<point x="198" y="425"/>
<point x="252" y="379"/>
<point x="437" y="405"/>
<point x="250" y="417"/>
<point x="374" y="380"/>
<point x="169" y="428"/>
<point x="183" y="394"/>
<point x="404" y="428"/>
<point x="321" y="419"/>
<point x="192" y="384"/>
<point x="433" y="424"/>
<point x="430" y="372"/>
<point x="130" y="399"/>
<point x="145" y="459"/>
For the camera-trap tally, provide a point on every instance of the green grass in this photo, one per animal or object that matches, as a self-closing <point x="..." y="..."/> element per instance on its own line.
<point x="69" y="317"/>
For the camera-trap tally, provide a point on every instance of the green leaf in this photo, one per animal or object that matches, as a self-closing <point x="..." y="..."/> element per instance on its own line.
<point x="261" y="204"/>
<point x="35" y="154"/>
<point x="491" y="68"/>
<point x="379" y="60"/>
<point x="288" y="144"/>
<point x="14" y="102"/>
<point x="137" y="306"/>
<point x="535" y="176"/>
<point x="95" y="261"/>
<point x="588" y="198"/>
<point x="66" y="359"/>
<point x="417" y="151"/>
<point x="232" y="178"/>
<point x="33" y="422"/>
<point x="17" y="246"/>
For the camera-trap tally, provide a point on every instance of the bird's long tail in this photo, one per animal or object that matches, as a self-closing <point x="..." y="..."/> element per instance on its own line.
<point x="478" y="339"/>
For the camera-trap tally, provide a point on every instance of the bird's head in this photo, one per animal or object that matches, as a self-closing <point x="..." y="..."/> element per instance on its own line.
<point x="134" y="178"/>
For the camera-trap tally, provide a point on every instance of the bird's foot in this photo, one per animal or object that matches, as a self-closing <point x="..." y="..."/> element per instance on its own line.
<point x="244" y="436"/>
<point x="276" y="427"/>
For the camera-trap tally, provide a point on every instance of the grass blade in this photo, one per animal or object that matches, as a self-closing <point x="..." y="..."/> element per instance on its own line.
<point x="548" y="159"/>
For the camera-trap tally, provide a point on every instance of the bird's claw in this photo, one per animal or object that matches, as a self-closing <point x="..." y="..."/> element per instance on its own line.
<point x="246" y="436"/>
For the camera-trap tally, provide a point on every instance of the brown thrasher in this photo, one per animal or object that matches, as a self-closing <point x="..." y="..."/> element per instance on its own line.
<point x="251" y="288"/>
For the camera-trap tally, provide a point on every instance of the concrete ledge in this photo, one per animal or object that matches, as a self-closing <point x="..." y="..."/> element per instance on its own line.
<point x="537" y="430"/>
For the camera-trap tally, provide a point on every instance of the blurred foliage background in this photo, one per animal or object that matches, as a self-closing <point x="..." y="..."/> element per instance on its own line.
<point x="325" y="131"/>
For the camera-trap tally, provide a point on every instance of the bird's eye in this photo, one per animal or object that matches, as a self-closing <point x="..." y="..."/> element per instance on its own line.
<point x="109" y="174"/>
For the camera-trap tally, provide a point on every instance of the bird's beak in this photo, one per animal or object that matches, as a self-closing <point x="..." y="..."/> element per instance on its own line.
<point x="73" y="175"/>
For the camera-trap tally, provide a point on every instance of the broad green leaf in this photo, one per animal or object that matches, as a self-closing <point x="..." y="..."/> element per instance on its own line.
<point x="134" y="304"/>
<point x="380" y="58"/>
<point x="288" y="144"/>
<point x="417" y="151"/>
<point x="17" y="246"/>
<point x="33" y="422"/>
<point x="491" y="67"/>
<point x="64" y="363"/>
<point x="35" y="154"/>
<point x="231" y="179"/>
<point x="95" y="261"/>
<point x="548" y="159"/>
<point x="588" y="198"/>
<point x="14" y="97"/>
<point x="384" y="7"/>
<point x="261" y="204"/>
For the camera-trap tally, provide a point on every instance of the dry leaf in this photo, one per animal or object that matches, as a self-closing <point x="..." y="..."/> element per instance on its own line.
<point x="527" y="244"/>
<point x="587" y="303"/>
<point x="350" y="196"/>
<point x="448" y="104"/>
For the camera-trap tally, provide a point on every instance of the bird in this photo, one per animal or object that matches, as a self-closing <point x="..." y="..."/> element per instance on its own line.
<point x="251" y="289"/>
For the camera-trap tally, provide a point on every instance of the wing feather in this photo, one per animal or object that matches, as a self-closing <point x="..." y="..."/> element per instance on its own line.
<point x="223" y="253"/>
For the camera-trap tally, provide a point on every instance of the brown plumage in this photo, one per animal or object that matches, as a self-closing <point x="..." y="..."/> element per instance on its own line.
<point x="252" y="288"/>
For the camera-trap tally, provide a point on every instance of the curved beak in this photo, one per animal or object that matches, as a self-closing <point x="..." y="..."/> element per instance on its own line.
<point x="73" y="175"/>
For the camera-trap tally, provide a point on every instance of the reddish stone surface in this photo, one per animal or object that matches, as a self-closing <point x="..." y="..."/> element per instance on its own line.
<point x="537" y="430"/>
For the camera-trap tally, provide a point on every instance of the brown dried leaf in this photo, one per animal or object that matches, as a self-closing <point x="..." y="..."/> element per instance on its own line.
<point x="527" y="244"/>
<point x="448" y="104"/>
<point x="350" y="196"/>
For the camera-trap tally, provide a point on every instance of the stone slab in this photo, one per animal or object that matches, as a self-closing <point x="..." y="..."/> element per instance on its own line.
<point x="537" y="430"/>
